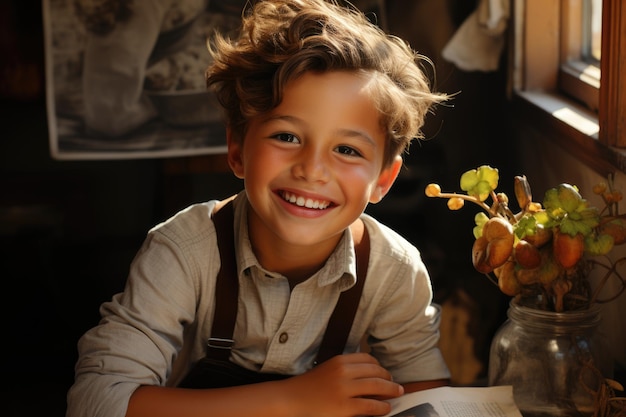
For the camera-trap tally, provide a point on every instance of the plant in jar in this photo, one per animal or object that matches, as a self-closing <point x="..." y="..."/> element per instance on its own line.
<point x="542" y="254"/>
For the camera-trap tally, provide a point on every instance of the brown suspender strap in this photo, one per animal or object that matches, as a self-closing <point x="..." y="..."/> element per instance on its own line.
<point x="227" y="289"/>
<point x="340" y="322"/>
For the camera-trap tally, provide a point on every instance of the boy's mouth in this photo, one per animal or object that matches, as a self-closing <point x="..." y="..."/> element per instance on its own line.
<point x="304" y="202"/>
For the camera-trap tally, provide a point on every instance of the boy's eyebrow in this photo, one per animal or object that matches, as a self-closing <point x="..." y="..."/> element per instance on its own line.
<point x="358" y="133"/>
<point x="343" y="132"/>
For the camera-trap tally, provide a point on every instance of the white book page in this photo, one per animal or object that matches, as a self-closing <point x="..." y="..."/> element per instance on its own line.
<point x="457" y="402"/>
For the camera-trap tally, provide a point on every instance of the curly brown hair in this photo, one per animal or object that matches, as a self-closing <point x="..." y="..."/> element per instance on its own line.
<point x="280" y="40"/>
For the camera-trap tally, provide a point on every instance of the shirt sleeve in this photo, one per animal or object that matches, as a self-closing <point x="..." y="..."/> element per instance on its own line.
<point x="151" y="315"/>
<point x="404" y="333"/>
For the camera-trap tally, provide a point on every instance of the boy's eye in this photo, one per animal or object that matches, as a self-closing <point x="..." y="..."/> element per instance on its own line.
<point x="347" y="150"/>
<point x="287" y="137"/>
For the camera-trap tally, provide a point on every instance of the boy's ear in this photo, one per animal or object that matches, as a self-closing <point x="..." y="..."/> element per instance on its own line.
<point x="235" y="158"/>
<point x="386" y="179"/>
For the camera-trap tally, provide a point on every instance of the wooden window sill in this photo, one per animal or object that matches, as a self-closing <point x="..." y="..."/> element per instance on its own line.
<point x="571" y="126"/>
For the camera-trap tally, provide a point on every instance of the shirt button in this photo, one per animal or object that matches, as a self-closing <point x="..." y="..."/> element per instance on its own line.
<point x="283" y="338"/>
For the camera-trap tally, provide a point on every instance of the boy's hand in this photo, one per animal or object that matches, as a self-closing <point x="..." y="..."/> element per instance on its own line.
<point x="346" y="385"/>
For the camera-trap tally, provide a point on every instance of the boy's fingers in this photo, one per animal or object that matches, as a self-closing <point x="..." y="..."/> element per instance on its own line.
<point x="377" y="388"/>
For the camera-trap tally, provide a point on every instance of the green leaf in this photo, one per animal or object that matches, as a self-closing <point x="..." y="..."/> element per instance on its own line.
<point x="489" y="175"/>
<point x="469" y="180"/>
<point x="599" y="245"/>
<point x="526" y="226"/>
<point x="480" y="182"/>
<point x="480" y="219"/>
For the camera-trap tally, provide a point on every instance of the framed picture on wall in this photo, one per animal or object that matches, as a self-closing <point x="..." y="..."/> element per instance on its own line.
<point x="125" y="78"/>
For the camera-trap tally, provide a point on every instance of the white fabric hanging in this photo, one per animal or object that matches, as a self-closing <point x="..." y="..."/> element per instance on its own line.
<point x="478" y="42"/>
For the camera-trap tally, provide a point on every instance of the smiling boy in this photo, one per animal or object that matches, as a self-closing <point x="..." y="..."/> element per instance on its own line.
<point x="320" y="106"/>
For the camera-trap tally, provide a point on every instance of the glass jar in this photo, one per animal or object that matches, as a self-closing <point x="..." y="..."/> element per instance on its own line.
<point x="554" y="361"/>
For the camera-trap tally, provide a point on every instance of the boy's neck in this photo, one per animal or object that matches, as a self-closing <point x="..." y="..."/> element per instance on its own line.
<point x="296" y="263"/>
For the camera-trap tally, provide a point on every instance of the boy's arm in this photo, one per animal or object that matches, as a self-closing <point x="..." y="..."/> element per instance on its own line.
<point x="346" y="385"/>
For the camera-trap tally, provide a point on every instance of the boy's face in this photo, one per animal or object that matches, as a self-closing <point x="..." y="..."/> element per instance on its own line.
<point x="313" y="164"/>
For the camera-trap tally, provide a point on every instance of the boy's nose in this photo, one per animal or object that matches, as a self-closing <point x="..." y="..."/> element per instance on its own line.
<point x="311" y="166"/>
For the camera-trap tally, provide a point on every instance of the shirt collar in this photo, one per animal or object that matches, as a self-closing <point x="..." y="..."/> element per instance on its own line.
<point x="340" y="267"/>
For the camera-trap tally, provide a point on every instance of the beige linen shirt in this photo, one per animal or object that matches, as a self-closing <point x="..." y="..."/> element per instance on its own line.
<point x="153" y="332"/>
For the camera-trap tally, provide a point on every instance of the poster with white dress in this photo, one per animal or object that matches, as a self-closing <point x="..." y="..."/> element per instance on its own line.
<point x="125" y="78"/>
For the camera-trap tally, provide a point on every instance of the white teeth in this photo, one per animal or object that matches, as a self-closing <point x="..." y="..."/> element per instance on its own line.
<point x="305" y="202"/>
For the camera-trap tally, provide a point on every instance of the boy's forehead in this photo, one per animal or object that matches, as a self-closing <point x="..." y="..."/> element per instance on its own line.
<point x="326" y="88"/>
<point x="353" y="81"/>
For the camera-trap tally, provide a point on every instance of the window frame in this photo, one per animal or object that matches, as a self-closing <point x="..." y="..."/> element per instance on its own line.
<point x="543" y="68"/>
<point x="612" y="102"/>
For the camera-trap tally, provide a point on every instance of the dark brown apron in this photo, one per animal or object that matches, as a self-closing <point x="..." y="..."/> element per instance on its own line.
<point x="215" y="370"/>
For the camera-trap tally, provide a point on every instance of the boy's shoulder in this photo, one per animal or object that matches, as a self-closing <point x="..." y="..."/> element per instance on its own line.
<point x="195" y="221"/>
<point x="188" y="222"/>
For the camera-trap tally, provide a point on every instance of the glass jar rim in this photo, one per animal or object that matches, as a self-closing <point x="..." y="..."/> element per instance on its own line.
<point x="566" y="320"/>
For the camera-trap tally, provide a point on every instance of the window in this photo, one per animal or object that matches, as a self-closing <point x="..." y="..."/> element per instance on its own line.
<point x="592" y="31"/>
<point x="569" y="60"/>
<point x="580" y="31"/>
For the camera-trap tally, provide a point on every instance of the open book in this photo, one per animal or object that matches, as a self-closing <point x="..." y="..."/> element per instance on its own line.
<point x="457" y="402"/>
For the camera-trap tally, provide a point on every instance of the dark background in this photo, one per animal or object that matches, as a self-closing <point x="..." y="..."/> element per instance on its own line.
<point x="69" y="229"/>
